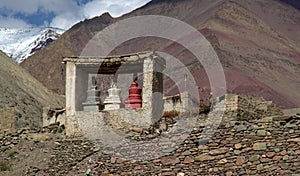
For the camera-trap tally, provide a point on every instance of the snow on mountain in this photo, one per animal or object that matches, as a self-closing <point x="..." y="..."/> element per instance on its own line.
<point x="20" y="43"/>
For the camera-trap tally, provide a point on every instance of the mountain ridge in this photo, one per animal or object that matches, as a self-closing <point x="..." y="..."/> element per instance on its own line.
<point x="20" y="43"/>
<point x="254" y="41"/>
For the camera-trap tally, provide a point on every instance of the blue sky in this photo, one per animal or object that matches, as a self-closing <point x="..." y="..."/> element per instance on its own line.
<point x="59" y="13"/>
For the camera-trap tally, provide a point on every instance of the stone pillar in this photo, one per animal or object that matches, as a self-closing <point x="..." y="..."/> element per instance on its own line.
<point x="70" y="88"/>
<point x="72" y="127"/>
<point x="152" y="94"/>
<point x="185" y="105"/>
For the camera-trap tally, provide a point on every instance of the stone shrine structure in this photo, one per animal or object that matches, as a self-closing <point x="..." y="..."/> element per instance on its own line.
<point x="78" y="76"/>
<point x="134" y="98"/>
<point x="113" y="100"/>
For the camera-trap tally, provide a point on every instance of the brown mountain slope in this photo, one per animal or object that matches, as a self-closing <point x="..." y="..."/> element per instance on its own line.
<point x="25" y="93"/>
<point x="257" y="42"/>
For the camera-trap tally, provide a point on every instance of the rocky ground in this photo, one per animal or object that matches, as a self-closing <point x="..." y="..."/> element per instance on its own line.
<point x="269" y="146"/>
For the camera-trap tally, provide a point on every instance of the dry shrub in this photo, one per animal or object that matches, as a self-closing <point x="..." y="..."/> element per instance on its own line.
<point x="204" y="108"/>
<point x="171" y="114"/>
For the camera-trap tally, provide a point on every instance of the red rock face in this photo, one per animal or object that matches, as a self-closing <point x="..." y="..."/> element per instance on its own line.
<point x="134" y="97"/>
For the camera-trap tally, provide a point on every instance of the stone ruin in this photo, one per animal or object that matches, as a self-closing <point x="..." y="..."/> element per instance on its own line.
<point x="137" y="102"/>
<point x="238" y="107"/>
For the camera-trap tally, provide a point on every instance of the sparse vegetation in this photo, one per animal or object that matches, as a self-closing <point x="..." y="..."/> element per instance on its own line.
<point x="4" y="166"/>
<point x="12" y="154"/>
<point x="61" y="129"/>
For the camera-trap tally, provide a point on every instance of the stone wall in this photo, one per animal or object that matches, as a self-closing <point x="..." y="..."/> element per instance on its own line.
<point x="268" y="146"/>
<point x="239" y="107"/>
<point x="126" y="119"/>
<point x="253" y="147"/>
<point x="236" y="108"/>
<point x="88" y="123"/>
<point x="7" y="117"/>
<point x="181" y="103"/>
<point x="290" y="112"/>
<point x="172" y="103"/>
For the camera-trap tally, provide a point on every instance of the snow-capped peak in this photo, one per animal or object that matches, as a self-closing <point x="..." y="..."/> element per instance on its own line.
<point x="20" y="43"/>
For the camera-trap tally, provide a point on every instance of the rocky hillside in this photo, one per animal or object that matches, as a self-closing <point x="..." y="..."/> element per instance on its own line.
<point x="20" y="90"/>
<point x="257" y="41"/>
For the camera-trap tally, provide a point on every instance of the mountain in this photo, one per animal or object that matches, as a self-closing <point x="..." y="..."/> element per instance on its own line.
<point x="28" y="96"/>
<point x="19" y="43"/>
<point x="69" y="44"/>
<point x="257" y="41"/>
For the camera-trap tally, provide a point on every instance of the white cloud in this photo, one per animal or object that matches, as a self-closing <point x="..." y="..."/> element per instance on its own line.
<point x="67" y="9"/>
<point x="32" y="6"/>
<point x="66" y="20"/>
<point x="95" y="8"/>
<point x="13" y="23"/>
<point x="115" y="8"/>
<point x="67" y="12"/>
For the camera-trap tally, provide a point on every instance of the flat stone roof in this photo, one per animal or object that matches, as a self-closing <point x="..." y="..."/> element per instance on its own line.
<point x="126" y="63"/>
